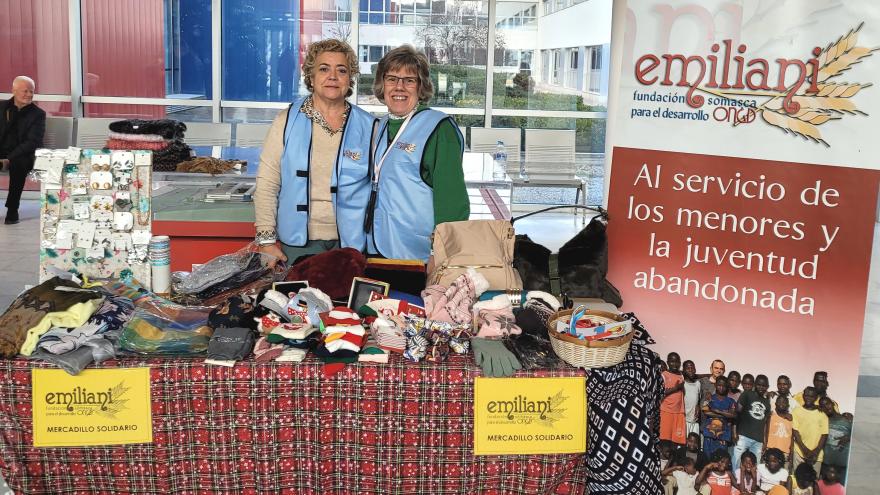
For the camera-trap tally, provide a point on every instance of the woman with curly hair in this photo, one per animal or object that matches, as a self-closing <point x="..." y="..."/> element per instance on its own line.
<point x="417" y="177"/>
<point x="313" y="184"/>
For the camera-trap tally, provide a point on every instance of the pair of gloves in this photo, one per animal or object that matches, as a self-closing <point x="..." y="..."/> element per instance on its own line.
<point x="494" y="358"/>
<point x="494" y="355"/>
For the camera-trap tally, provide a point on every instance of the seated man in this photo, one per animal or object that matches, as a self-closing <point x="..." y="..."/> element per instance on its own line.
<point x="22" y="125"/>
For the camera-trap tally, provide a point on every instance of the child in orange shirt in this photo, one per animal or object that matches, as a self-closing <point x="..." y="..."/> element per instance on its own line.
<point x="672" y="422"/>
<point x="779" y="429"/>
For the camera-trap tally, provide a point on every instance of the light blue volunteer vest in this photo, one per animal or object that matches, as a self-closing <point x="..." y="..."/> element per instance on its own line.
<point x="349" y="182"/>
<point x="403" y="218"/>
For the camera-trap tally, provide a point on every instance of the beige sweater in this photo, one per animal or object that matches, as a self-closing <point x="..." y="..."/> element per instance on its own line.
<point x="322" y="221"/>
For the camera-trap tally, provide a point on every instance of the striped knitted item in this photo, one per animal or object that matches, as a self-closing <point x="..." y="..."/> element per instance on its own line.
<point x="388" y="334"/>
<point x="123" y="136"/>
<point x="339" y="316"/>
<point x="372" y="353"/>
<point x="119" y="144"/>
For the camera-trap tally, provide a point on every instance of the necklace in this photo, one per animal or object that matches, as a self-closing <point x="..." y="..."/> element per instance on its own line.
<point x="142" y="210"/>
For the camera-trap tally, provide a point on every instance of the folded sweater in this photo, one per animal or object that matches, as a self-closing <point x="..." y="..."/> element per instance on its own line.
<point x="32" y="306"/>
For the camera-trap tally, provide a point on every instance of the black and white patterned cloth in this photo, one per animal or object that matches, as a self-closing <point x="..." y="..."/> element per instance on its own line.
<point x="624" y="417"/>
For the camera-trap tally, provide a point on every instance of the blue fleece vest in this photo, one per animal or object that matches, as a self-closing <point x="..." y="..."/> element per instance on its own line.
<point x="403" y="218"/>
<point x="349" y="183"/>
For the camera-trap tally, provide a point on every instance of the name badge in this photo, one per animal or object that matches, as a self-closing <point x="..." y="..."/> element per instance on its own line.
<point x="354" y="155"/>
<point x="408" y="147"/>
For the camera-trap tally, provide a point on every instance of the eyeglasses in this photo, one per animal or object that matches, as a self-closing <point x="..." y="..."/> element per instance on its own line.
<point x="408" y="82"/>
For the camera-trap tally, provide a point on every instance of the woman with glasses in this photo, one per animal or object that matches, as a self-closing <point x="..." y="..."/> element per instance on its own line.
<point x="313" y="182"/>
<point x="417" y="179"/>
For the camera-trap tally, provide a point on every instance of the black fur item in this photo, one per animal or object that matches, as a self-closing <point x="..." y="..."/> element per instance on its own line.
<point x="167" y="128"/>
<point x="583" y="264"/>
<point x="532" y="261"/>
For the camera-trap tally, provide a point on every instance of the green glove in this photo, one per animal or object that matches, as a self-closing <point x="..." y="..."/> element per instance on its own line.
<point x="494" y="358"/>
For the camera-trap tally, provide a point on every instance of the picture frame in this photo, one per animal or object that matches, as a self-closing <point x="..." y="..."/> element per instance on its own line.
<point x="361" y="288"/>
<point x="290" y="288"/>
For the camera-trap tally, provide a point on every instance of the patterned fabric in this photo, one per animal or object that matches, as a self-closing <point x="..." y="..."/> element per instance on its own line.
<point x="119" y="144"/>
<point x="432" y="340"/>
<point x="623" y="419"/>
<point x="308" y="108"/>
<point x="396" y="428"/>
<point x="29" y="309"/>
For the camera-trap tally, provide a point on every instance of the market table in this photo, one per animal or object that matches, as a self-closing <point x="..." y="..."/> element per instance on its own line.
<point x="395" y="428"/>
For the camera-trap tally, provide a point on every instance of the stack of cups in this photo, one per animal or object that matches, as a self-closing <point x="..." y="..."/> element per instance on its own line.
<point x="160" y="260"/>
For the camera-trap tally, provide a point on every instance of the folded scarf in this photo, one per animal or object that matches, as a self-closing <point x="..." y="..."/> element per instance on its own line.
<point x="29" y="309"/>
<point x="166" y="160"/>
<point x="136" y="137"/>
<point x="207" y="165"/>
<point x="119" y="144"/>
<point x="167" y="128"/>
<point x="148" y="335"/>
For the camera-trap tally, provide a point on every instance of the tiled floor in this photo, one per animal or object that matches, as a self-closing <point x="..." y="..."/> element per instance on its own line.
<point x="18" y="267"/>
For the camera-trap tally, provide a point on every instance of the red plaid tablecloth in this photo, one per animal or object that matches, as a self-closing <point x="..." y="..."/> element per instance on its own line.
<point x="399" y="428"/>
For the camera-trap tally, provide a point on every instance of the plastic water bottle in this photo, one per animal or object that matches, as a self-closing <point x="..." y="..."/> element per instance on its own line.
<point x="500" y="159"/>
<point x="522" y="171"/>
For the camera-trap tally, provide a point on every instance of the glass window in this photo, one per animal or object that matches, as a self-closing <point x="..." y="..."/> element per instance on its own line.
<point x="376" y="5"/>
<point x="455" y="42"/>
<point x="178" y="112"/>
<point x="596" y="60"/>
<point x="250" y="115"/>
<point x="589" y="135"/>
<point x="597" y="77"/>
<point x="150" y="48"/>
<point x="264" y="43"/>
<point x="32" y="31"/>
<point x="548" y="78"/>
<point x="131" y="58"/>
<point x="34" y="42"/>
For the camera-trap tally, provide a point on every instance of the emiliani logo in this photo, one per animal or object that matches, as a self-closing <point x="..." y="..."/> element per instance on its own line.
<point x="84" y="402"/>
<point x="804" y="95"/>
<point x="524" y="410"/>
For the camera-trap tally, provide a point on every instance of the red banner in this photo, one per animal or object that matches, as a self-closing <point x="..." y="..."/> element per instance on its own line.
<point x="760" y="263"/>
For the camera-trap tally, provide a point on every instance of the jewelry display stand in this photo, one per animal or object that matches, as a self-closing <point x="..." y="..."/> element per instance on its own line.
<point x="96" y="213"/>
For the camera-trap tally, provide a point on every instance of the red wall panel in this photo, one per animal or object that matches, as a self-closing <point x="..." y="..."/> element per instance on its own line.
<point x="123" y="54"/>
<point x="34" y="43"/>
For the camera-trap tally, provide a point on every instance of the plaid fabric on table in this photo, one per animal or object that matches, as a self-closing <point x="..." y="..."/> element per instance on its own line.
<point x="396" y="428"/>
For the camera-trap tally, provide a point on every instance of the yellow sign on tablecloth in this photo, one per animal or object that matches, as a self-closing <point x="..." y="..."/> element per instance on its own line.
<point x="530" y="416"/>
<point x="96" y="407"/>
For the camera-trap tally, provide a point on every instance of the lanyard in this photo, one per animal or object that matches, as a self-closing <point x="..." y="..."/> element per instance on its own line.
<point x="377" y="168"/>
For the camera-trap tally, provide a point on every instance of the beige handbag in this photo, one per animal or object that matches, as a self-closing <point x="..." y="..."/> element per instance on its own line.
<point x="484" y="245"/>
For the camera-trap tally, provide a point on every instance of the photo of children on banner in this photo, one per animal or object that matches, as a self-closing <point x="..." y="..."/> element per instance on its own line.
<point x="361" y="288"/>
<point x="772" y="438"/>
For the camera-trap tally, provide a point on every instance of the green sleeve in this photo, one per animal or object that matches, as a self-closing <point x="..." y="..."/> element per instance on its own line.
<point x="442" y="170"/>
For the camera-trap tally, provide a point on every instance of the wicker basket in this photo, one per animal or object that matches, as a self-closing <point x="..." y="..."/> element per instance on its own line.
<point x="588" y="353"/>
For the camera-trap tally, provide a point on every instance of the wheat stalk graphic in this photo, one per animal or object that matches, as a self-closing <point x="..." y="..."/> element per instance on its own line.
<point x="118" y="403"/>
<point x="555" y="413"/>
<point x="832" y="101"/>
